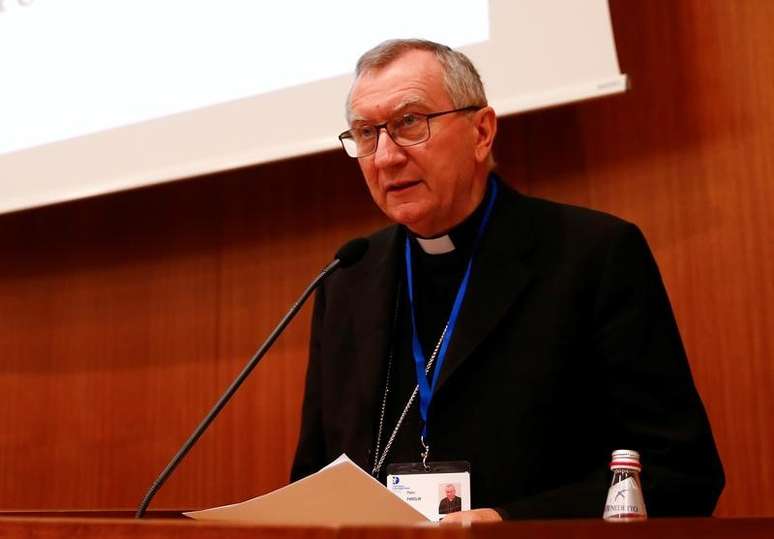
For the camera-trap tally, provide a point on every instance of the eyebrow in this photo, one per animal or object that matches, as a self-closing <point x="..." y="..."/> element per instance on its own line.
<point x="403" y="104"/>
<point x="407" y="102"/>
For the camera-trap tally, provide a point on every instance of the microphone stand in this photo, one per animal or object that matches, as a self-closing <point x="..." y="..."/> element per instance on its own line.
<point x="161" y="479"/>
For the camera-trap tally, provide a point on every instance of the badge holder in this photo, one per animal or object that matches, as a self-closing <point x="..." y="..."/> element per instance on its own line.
<point x="435" y="489"/>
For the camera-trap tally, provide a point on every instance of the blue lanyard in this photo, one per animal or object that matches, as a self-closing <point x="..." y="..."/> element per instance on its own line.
<point x="425" y="388"/>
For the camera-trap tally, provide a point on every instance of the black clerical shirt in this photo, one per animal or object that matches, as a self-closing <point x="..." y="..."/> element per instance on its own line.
<point x="437" y="278"/>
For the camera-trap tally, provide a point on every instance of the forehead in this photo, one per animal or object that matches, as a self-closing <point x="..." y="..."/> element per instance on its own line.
<point x="416" y="78"/>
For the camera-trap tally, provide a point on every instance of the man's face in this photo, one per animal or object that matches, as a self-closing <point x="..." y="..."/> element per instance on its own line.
<point x="434" y="185"/>
<point x="451" y="492"/>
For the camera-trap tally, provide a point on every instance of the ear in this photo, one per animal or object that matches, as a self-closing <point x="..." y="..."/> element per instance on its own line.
<point x="485" y="123"/>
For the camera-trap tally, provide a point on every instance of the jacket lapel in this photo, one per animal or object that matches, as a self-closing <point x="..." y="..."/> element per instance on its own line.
<point x="498" y="278"/>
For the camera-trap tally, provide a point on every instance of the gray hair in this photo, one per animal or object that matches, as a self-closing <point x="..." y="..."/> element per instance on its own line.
<point x="460" y="77"/>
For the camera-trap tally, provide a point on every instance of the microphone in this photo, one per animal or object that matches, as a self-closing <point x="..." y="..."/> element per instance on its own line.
<point x="349" y="254"/>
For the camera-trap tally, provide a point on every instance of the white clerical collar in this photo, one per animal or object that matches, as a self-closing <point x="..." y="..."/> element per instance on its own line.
<point x="436" y="246"/>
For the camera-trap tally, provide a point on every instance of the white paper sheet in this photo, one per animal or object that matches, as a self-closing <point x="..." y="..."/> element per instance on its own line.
<point x="341" y="494"/>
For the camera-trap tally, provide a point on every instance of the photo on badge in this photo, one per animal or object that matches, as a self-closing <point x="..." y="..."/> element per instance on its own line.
<point x="443" y="490"/>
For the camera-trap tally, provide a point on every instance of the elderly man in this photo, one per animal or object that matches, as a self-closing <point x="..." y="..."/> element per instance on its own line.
<point x="451" y="503"/>
<point x="527" y="338"/>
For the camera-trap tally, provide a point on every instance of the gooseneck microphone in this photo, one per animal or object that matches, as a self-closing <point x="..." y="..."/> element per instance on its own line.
<point x="350" y="253"/>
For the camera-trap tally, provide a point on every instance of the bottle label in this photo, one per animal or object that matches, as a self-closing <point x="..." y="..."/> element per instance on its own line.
<point x="624" y="500"/>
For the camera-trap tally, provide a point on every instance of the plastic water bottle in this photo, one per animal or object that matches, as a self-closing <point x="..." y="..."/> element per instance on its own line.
<point x="624" y="499"/>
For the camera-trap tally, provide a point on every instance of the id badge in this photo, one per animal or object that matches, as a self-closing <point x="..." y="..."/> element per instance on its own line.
<point x="436" y="493"/>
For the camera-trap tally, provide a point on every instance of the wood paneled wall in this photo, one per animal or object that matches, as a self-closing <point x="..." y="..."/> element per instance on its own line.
<point x="123" y="317"/>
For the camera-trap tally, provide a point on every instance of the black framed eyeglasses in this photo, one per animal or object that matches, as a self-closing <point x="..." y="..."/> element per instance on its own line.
<point x="405" y="130"/>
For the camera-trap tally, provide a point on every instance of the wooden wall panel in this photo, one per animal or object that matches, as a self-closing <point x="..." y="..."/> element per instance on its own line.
<point x="123" y="317"/>
<point x="688" y="155"/>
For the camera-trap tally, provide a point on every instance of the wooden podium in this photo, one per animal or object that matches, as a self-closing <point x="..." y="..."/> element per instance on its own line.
<point x="119" y="525"/>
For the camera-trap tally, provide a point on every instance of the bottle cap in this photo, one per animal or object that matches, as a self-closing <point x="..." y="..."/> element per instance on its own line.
<point x="625" y="459"/>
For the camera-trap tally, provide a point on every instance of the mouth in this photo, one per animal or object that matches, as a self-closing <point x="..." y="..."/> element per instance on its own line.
<point x="401" y="186"/>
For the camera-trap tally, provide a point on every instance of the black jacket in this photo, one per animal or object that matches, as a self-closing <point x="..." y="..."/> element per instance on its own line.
<point x="445" y="506"/>
<point x="566" y="349"/>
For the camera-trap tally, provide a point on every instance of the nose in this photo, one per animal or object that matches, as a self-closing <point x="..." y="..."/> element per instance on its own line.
<point x="388" y="154"/>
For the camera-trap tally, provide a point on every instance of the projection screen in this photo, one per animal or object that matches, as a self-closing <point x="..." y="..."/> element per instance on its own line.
<point x="99" y="96"/>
